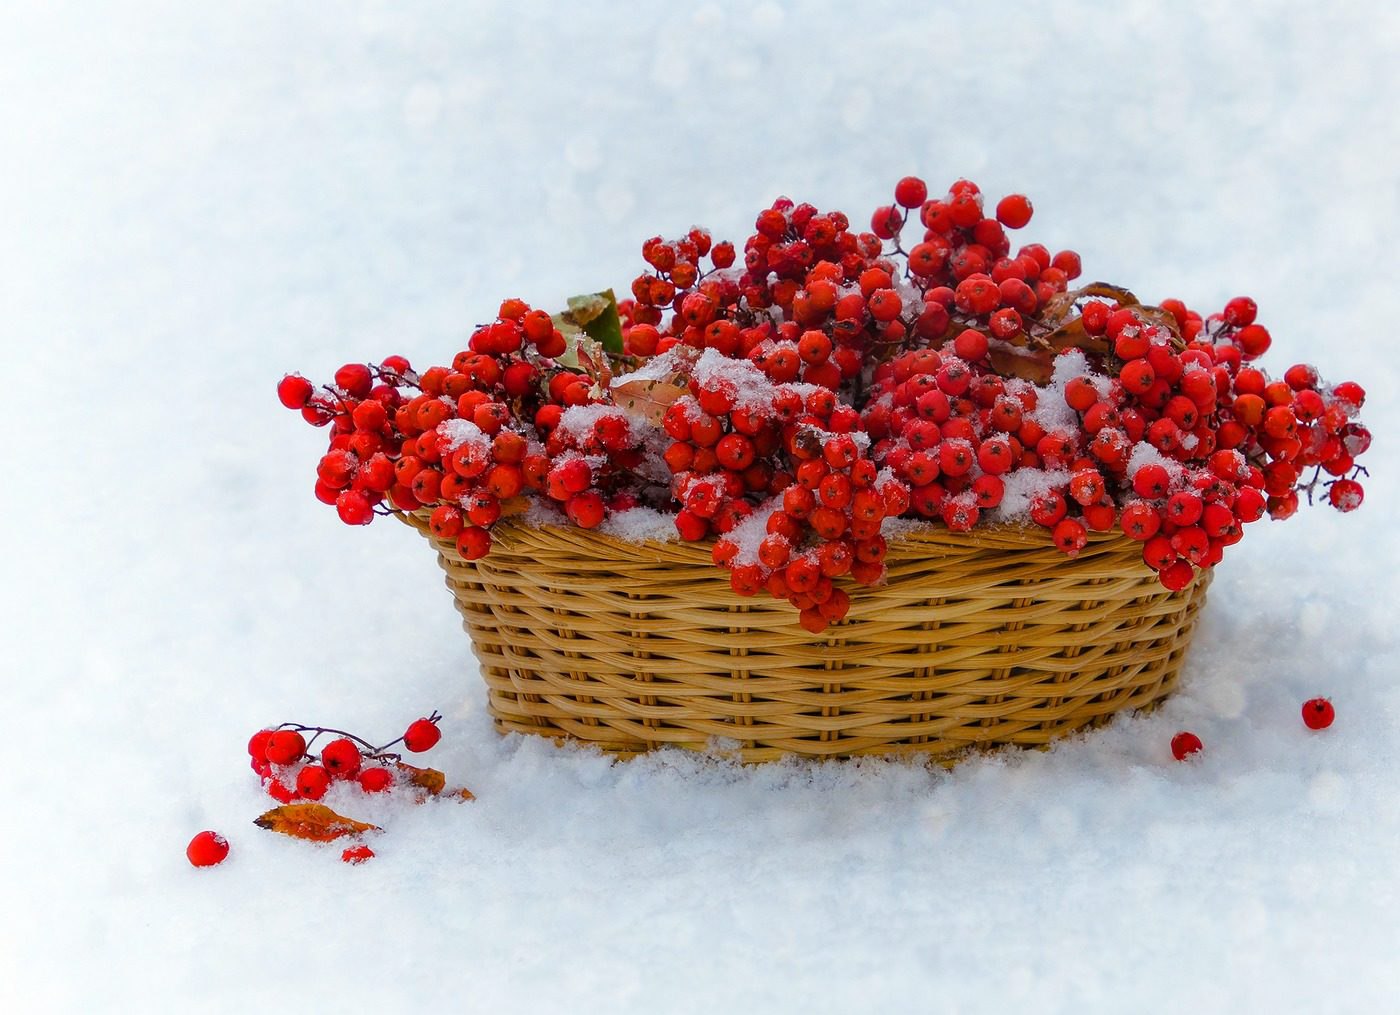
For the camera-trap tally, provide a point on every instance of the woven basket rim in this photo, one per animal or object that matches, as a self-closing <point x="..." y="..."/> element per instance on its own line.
<point x="918" y="536"/>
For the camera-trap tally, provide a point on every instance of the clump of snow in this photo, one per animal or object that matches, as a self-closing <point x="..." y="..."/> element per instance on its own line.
<point x="457" y="432"/>
<point x="640" y="525"/>
<point x="1052" y="412"/>
<point x="752" y="530"/>
<point x="1144" y="453"/>
<point x="895" y="528"/>
<point x="747" y="385"/>
<point x="1023" y="486"/>
<point x="578" y="421"/>
<point x="676" y="360"/>
<point x="543" y="511"/>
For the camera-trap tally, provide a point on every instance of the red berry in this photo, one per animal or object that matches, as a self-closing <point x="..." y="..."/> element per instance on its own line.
<point x="294" y="391"/>
<point x="1185" y="744"/>
<point x="313" y="781"/>
<point x="422" y="735"/>
<point x="1346" y="494"/>
<point x="376" y="780"/>
<point x="257" y="746"/>
<point x="356" y="854"/>
<point x="910" y="192"/>
<point x="207" y="849"/>
<point x="1240" y="311"/>
<point x="1014" y="211"/>
<point x="354" y="508"/>
<point x="341" y="758"/>
<point x="354" y="379"/>
<point x="285" y="747"/>
<point x="1318" y="713"/>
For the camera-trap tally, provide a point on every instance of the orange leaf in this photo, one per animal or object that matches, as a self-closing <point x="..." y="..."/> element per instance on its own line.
<point x="312" y="821"/>
<point x="647" y="398"/>
<point x="429" y="779"/>
<point x="464" y="793"/>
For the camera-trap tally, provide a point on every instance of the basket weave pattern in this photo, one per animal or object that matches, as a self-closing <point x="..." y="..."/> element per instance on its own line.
<point x="977" y="639"/>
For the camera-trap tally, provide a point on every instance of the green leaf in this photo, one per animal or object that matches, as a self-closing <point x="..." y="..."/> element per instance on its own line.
<point x="596" y="314"/>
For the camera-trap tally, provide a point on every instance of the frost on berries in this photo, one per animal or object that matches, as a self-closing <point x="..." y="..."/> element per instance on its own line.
<point x="796" y="398"/>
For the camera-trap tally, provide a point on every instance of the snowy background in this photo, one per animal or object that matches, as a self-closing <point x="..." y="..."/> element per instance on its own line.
<point x="198" y="198"/>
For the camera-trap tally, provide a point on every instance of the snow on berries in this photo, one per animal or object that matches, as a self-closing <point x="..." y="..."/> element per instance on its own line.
<point x="791" y="398"/>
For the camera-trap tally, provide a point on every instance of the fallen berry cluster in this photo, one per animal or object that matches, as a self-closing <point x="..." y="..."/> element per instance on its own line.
<point x="281" y="757"/>
<point x="293" y="776"/>
<point x="791" y="399"/>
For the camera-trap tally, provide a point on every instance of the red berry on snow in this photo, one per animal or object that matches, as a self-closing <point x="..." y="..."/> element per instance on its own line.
<point x="422" y="735"/>
<point x="207" y="849"/>
<point x="1318" y="713"/>
<point x="341" y="758"/>
<point x="285" y="747"/>
<point x="257" y="746"/>
<point x="280" y="792"/>
<point x="1185" y="744"/>
<point x="313" y="781"/>
<point x="357" y="854"/>
<point x="376" y="780"/>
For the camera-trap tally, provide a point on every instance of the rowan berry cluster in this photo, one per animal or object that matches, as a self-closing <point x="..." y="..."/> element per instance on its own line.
<point x="788" y="400"/>
<point x="283" y="758"/>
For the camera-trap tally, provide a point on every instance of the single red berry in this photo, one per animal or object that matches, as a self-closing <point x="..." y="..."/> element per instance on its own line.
<point x="285" y="747"/>
<point x="207" y="849"/>
<point x="1318" y="713"/>
<point x="376" y="780"/>
<point x="294" y="391"/>
<point x="355" y="379"/>
<point x="911" y="192"/>
<point x="1185" y="744"/>
<point x="357" y="854"/>
<point x="1345" y="494"/>
<point x="281" y="792"/>
<point x="1014" y="211"/>
<point x="354" y="508"/>
<point x="257" y="746"/>
<point x="313" y="781"/>
<point x="341" y="758"/>
<point x="422" y="735"/>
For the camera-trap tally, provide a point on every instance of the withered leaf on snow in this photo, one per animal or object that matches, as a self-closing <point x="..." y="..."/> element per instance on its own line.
<point x="432" y="782"/>
<point x="429" y="779"/>
<point x="315" y="822"/>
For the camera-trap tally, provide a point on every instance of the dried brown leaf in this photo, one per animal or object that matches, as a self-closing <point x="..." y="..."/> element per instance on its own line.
<point x="647" y="398"/>
<point x="429" y="779"/>
<point x="315" y="822"/>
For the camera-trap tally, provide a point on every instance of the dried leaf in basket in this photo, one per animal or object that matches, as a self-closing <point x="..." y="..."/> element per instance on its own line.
<point x="315" y="822"/>
<point x="648" y="398"/>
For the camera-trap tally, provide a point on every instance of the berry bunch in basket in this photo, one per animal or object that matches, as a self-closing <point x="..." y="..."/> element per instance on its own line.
<point x="792" y="403"/>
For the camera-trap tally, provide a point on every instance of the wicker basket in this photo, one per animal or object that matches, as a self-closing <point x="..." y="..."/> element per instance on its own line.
<point x="978" y="639"/>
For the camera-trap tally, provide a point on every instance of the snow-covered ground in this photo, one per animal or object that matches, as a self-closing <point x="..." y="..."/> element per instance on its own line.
<point x="196" y="198"/>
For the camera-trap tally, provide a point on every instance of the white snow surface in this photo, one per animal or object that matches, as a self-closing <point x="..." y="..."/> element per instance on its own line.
<point x="199" y="198"/>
